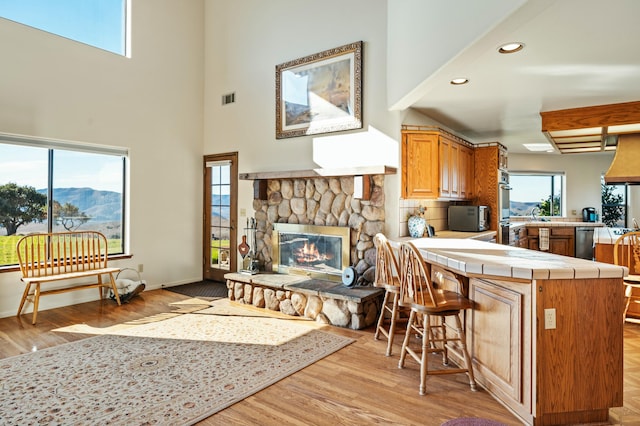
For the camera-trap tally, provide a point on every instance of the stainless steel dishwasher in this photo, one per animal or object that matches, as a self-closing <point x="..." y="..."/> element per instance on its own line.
<point x="584" y="242"/>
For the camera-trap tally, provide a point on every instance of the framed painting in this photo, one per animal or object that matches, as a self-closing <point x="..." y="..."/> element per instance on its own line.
<point x="320" y="93"/>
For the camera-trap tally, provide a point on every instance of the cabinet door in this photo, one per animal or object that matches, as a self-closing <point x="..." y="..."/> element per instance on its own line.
<point x="466" y="167"/>
<point x="446" y="168"/>
<point x="562" y="245"/>
<point x="420" y="165"/>
<point x="496" y="344"/>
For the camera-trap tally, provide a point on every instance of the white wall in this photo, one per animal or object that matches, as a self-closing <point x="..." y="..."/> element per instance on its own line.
<point x="450" y="25"/>
<point x="244" y="43"/>
<point x="582" y="172"/>
<point x="150" y="103"/>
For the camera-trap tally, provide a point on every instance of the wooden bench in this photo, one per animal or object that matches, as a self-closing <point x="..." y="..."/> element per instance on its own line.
<point x="51" y="257"/>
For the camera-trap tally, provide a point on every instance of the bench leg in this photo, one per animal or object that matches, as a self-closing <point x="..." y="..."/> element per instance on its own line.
<point x="36" y="301"/>
<point x="100" y="287"/>
<point x="24" y="298"/>
<point x="114" y="288"/>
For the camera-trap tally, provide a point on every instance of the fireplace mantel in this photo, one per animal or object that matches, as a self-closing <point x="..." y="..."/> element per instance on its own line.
<point x="361" y="183"/>
<point x="316" y="173"/>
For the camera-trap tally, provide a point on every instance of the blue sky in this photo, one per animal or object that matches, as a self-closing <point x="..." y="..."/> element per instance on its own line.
<point x="28" y="166"/>
<point x="99" y="23"/>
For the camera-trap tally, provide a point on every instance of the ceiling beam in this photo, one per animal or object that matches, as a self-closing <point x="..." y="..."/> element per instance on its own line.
<point x="594" y="116"/>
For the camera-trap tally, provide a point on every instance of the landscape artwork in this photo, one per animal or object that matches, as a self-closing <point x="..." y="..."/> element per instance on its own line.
<point x="320" y="93"/>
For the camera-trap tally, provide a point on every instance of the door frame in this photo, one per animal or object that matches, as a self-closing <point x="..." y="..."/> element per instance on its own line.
<point x="209" y="273"/>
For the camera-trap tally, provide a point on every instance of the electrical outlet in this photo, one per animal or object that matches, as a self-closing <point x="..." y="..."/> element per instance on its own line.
<point x="140" y="267"/>
<point x="550" y="319"/>
<point x="243" y="212"/>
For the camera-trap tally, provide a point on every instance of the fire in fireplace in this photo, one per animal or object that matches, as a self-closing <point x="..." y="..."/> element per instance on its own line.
<point x="318" y="251"/>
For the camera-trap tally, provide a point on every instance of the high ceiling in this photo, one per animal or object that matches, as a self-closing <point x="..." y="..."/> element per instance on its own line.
<point x="577" y="53"/>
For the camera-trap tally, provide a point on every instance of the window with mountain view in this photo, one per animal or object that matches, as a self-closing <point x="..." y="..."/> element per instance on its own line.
<point x="47" y="186"/>
<point x="541" y="190"/>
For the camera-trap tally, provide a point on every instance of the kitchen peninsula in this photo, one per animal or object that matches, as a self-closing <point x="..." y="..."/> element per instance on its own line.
<point x="545" y="334"/>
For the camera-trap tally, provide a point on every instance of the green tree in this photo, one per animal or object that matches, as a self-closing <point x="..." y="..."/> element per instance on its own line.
<point x="549" y="209"/>
<point x="69" y="216"/>
<point x="20" y="205"/>
<point x="612" y="211"/>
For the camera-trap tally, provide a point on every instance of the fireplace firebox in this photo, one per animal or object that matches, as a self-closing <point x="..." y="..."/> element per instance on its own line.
<point x="316" y="251"/>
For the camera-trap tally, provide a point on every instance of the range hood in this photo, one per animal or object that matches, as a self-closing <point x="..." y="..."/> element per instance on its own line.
<point x="625" y="167"/>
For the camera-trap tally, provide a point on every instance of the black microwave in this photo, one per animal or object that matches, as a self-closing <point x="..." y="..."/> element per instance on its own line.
<point x="468" y="218"/>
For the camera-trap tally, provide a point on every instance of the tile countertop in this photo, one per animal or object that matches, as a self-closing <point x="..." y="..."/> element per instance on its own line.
<point x="472" y="257"/>
<point x="540" y="224"/>
<point x="483" y="235"/>
<point x="606" y="235"/>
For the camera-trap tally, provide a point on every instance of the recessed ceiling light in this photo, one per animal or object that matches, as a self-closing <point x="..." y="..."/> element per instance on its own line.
<point x="511" y="47"/>
<point x="459" y="81"/>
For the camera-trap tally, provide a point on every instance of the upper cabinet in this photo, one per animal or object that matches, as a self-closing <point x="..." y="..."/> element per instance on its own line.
<point x="436" y="164"/>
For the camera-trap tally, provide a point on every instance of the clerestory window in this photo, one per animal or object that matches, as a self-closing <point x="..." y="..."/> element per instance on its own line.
<point x="98" y="23"/>
<point x="56" y="186"/>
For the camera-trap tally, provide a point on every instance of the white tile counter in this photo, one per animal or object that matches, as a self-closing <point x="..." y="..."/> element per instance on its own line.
<point x="607" y="235"/>
<point x="472" y="257"/>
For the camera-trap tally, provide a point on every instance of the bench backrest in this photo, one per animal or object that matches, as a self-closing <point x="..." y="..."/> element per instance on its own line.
<point x="61" y="252"/>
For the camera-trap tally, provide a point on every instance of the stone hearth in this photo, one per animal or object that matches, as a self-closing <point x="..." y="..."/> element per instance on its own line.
<point x="323" y="301"/>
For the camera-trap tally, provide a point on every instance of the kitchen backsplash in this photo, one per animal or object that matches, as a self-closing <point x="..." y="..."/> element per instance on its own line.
<point x="436" y="214"/>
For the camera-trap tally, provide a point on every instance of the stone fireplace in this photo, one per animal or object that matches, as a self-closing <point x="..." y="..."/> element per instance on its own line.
<point x="321" y="202"/>
<point x="317" y="251"/>
<point x="310" y="226"/>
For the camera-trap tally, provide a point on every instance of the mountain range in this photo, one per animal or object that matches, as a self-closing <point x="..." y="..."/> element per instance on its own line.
<point x="100" y="206"/>
<point x="106" y="206"/>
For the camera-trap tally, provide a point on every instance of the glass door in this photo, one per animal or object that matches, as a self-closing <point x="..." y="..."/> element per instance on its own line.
<point x="220" y="204"/>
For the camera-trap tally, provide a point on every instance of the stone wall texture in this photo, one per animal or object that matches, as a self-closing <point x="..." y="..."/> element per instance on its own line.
<point x="323" y="202"/>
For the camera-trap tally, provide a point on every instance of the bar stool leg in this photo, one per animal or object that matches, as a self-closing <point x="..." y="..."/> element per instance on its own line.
<point x="380" y="324"/>
<point x="467" y="358"/>
<point x="392" y="324"/>
<point x="424" y="362"/>
<point x="407" y="336"/>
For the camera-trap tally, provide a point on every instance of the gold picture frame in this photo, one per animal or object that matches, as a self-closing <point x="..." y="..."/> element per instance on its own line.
<point x="320" y="93"/>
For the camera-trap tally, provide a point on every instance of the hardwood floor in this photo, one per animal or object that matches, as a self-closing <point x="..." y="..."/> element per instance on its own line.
<point x="355" y="386"/>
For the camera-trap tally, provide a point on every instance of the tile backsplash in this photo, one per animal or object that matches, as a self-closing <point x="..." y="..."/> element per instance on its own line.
<point x="436" y="214"/>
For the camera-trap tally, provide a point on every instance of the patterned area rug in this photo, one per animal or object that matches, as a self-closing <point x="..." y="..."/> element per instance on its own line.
<point x="172" y="372"/>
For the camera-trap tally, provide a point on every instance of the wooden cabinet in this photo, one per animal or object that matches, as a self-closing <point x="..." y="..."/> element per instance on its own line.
<point x="561" y="240"/>
<point x="519" y="361"/>
<point x="489" y="159"/>
<point x="500" y="341"/>
<point x="523" y="241"/>
<point x="420" y="165"/>
<point x="436" y="164"/>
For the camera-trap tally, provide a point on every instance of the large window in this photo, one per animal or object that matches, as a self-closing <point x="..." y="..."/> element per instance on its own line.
<point x="99" y="23"/>
<point x="539" y="193"/>
<point x="53" y="186"/>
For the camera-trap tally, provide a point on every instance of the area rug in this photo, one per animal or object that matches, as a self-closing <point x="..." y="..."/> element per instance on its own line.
<point x="172" y="372"/>
<point x="211" y="289"/>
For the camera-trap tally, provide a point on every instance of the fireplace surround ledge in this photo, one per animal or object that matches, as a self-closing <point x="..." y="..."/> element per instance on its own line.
<point x="298" y="295"/>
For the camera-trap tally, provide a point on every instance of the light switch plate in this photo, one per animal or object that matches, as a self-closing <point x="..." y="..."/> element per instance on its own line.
<point x="550" y="319"/>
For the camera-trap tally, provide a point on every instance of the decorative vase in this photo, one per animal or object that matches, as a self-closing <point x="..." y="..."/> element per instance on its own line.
<point x="417" y="225"/>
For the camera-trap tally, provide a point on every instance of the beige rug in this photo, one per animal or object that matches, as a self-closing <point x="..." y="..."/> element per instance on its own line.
<point x="172" y="372"/>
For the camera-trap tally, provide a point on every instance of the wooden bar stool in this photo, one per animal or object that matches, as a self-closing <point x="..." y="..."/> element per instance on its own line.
<point x="426" y="303"/>
<point x="391" y="315"/>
